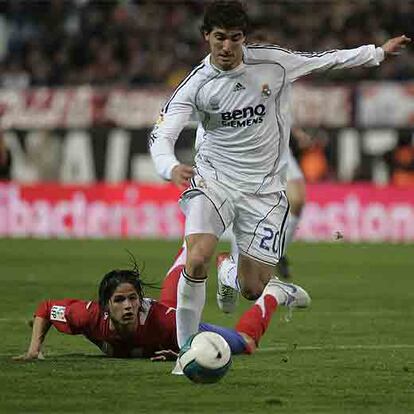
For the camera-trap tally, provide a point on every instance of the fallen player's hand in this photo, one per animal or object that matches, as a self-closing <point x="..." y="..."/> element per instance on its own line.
<point x="165" y="355"/>
<point x="181" y="174"/>
<point x="395" y="45"/>
<point x="29" y="357"/>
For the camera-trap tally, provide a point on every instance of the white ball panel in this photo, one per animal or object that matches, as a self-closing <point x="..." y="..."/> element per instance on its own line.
<point x="211" y="350"/>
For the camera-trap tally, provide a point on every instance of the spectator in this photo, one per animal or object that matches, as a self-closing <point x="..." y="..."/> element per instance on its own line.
<point x="314" y="160"/>
<point x="401" y="161"/>
<point x="13" y="75"/>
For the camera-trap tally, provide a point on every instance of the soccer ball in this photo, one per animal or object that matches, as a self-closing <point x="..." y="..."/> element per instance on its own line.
<point x="205" y="357"/>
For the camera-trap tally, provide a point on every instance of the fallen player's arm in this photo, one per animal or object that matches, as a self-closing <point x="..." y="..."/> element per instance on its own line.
<point x="39" y="332"/>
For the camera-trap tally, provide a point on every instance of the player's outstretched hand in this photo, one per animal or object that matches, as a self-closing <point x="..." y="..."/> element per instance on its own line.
<point x="27" y="357"/>
<point x="181" y="174"/>
<point x="165" y="355"/>
<point x="395" y="45"/>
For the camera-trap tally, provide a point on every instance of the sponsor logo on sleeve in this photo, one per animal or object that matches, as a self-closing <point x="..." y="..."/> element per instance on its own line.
<point x="57" y="313"/>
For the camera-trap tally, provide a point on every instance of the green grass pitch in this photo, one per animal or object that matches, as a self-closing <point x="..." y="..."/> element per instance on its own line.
<point x="351" y="352"/>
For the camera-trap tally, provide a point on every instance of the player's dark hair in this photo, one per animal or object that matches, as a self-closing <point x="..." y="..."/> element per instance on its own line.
<point x="113" y="279"/>
<point x="116" y="277"/>
<point x="225" y="15"/>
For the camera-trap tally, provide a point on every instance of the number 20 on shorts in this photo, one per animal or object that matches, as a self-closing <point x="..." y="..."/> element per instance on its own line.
<point x="270" y="241"/>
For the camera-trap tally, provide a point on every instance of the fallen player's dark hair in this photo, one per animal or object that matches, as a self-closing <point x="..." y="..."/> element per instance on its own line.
<point x="116" y="277"/>
<point x="225" y="15"/>
<point x="113" y="279"/>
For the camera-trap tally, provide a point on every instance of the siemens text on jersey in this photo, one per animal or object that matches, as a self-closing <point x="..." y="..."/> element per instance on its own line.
<point x="244" y="117"/>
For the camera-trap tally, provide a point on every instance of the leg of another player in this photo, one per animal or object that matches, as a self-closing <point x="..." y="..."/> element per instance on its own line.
<point x="228" y="268"/>
<point x="253" y="323"/>
<point x="293" y="296"/>
<point x="296" y="194"/>
<point x="253" y="276"/>
<point x="239" y="273"/>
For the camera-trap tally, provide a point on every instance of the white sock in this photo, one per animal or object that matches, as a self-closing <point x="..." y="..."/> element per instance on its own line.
<point x="290" y="231"/>
<point x="274" y="290"/>
<point x="234" y="248"/>
<point x="228" y="274"/>
<point x="191" y="296"/>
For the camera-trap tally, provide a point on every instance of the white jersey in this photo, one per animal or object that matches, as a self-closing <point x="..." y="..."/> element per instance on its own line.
<point x="244" y="114"/>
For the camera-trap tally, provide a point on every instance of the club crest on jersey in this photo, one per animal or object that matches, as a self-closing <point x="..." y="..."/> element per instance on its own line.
<point x="266" y="92"/>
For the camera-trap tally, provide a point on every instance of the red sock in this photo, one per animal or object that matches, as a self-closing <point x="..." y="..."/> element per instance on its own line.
<point x="255" y="321"/>
<point x="168" y="294"/>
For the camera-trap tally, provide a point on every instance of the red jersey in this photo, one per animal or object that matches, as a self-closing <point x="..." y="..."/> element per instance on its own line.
<point x="156" y="329"/>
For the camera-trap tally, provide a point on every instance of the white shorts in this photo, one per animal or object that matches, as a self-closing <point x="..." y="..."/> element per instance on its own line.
<point x="294" y="172"/>
<point x="259" y="220"/>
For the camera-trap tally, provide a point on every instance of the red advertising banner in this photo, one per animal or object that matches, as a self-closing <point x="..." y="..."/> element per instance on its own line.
<point x="357" y="212"/>
<point x="92" y="211"/>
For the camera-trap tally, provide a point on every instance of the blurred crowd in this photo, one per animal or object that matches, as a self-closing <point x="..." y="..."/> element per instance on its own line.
<point x="136" y="42"/>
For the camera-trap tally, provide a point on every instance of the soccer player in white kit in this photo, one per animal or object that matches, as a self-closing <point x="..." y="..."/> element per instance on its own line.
<point x="296" y="194"/>
<point x="240" y="94"/>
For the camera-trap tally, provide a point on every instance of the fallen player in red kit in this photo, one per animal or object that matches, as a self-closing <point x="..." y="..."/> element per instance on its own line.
<point x="125" y="324"/>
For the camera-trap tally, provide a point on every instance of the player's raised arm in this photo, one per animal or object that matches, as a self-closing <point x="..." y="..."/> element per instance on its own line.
<point x="298" y="64"/>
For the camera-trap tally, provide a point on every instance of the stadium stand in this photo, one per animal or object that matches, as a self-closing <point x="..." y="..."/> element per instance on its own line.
<point x="52" y="43"/>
